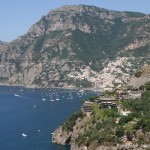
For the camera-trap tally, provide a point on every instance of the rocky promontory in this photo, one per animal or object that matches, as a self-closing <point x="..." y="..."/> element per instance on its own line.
<point x="105" y="129"/>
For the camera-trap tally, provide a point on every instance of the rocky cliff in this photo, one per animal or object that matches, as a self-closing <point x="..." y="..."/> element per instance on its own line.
<point x="90" y="142"/>
<point x="79" y="46"/>
<point x="141" y="77"/>
<point x="105" y="129"/>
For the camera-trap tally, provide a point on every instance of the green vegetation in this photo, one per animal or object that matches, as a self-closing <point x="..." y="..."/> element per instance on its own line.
<point x="100" y="127"/>
<point x="18" y="67"/>
<point x="109" y="93"/>
<point x="37" y="81"/>
<point x="68" y="126"/>
<point x="142" y="51"/>
<point x="94" y="48"/>
<point x="140" y="116"/>
<point x="4" y="78"/>
<point x="92" y="98"/>
<point x="83" y="83"/>
<point x="80" y="83"/>
<point x="138" y="74"/>
<point x="134" y="14"/>
<point x="64" y="54"/>
<point x="39" y="43"/>
<point x="90" y="47"/>
<point x="146" y="86"/>
<point x="141" y="106"/>
<point x="107" y="127"/>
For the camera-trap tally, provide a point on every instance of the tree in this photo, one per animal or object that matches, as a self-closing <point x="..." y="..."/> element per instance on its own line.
<point x="119" y="132"/>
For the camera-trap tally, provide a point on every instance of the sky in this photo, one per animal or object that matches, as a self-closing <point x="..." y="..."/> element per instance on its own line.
<point x="17" y="16"/>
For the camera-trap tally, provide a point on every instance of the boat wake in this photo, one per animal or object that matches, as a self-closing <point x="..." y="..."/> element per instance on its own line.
<point x="17" y="95"/>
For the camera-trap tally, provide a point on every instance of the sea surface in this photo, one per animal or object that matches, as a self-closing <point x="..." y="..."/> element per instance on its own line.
<point x="29" y="116"/>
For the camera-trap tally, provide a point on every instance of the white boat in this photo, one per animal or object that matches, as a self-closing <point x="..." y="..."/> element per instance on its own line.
<point x="71" y="97"/>
<point x="43" y="99"/>
<point x="17" y="95"/>
<point x="24" y="135"/>
<point x="51" y="98"/>
<point x="57" y="99"/>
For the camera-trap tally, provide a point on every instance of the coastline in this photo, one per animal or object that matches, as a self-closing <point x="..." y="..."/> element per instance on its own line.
<point x="39" y="87"/>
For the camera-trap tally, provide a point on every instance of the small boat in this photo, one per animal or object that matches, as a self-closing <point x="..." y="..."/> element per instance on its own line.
<point x="17" y="95"/>
<point x="24" y="135"/>
<point x="51" y="99"/>
<point x="43" y="99"/>
<point x="57" y="99"/>
<point x="34" y="106"/>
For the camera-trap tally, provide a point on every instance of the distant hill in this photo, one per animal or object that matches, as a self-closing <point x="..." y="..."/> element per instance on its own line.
<point x="79" y="46"/>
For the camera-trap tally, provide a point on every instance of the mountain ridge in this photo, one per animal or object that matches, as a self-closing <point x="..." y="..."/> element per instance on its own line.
<point x="73" y="46"/>
<point x="2" y="43"/>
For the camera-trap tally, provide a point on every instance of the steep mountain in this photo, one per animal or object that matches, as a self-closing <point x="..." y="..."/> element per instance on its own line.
<point x="78" y="46"/>
<point x="2" y="43"/>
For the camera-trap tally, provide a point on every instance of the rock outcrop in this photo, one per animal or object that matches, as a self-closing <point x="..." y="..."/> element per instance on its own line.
<point x="61" y="137"/>
<point x="82" y="127"/>
<point x="143" y="78"/>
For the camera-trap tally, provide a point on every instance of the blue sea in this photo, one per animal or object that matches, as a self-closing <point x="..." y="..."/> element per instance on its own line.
<point x="29" y="116"/>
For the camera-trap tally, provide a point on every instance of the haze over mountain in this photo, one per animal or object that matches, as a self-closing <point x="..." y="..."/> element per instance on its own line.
<point x="78" y="46"/>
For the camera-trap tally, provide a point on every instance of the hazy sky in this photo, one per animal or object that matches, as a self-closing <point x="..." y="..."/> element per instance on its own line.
<point x="17" y="16"/>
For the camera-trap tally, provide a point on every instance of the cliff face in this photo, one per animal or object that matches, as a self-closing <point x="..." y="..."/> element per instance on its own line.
<point x="141" y="77"/>
<point x="81" y="127"/>
<point x="75" y="45"/>
<point x="63" y="137"/>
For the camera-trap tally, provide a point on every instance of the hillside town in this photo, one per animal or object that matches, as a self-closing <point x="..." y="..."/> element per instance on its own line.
<point x="111" y="100"/>
<point x="115" y="74"/>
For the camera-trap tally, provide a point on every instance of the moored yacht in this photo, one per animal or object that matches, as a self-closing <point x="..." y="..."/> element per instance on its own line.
<point x="24" y="135"/>
<point x="43" y="99"/>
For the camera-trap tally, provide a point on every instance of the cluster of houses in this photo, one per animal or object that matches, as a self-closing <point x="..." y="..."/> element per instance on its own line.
<point x="87" y="105"/>
<point x="112" y="102"/>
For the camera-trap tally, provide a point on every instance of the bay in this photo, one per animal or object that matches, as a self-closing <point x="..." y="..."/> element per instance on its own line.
<point x="35" y="113"/>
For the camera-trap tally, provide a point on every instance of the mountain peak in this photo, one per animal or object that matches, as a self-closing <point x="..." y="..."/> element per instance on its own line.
<point x="92" y="9"/>
<point x="78" y="45"/>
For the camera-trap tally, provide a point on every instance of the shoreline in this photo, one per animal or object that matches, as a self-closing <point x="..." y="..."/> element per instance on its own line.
<point x="66" y="88"/>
